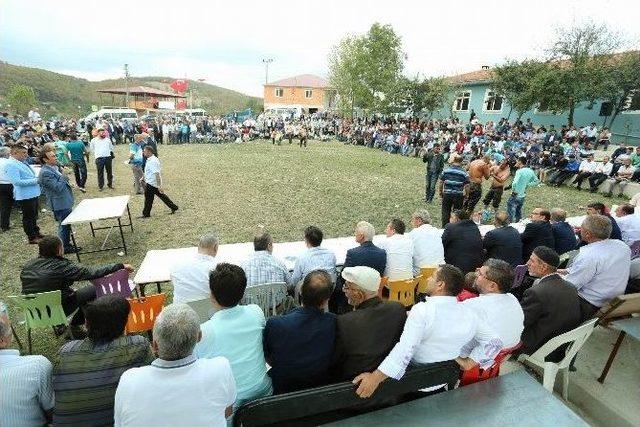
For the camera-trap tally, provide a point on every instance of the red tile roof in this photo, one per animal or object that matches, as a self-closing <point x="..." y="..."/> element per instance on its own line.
<point x="303" y="80"/>
<point x="472" y="77"/>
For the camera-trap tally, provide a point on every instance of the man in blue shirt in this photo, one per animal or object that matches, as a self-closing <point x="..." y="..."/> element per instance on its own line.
<point x="525" y="177"/>
<point x="79" y="157"/>
<point x="136" y="160"/>
<point x="299" y="345"/>
<point x="563" y="233"/>
<point x="453" y="187"/>
<point x="25" y="191"/>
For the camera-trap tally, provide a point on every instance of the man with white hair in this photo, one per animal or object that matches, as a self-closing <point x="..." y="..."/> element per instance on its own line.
<point x="27" y="397"/>
<point x="427" y="241"/>
<point x="168" y="384"/>
<point x="629" y="223"/>
<point x="190" y="278"/>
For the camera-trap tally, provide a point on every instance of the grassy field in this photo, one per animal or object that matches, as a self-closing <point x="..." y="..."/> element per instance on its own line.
<point x="232" y="188"/>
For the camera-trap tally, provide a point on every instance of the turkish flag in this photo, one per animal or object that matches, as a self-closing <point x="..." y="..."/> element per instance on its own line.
<point x="181" y="105"/>
<point x="180" y="86"/>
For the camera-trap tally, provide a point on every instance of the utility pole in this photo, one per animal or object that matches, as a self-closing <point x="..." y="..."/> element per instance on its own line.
<point x="126" y="85"/>
<point x="266" y="62"/>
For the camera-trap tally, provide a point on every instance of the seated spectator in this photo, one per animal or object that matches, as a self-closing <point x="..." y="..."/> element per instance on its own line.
<point x="262" y="267"/>
<point x="600" y="209"/>
<point x="366" y="335"/>
<point x="235" y="332"/>
<point x="568" y="170"/>
<point x="622" y="177"/>
<point x="537" y="233"/>
<point x="26" y="393"/>
<point x="315" y="257"/>
<point x="600" y="271"/>
<point x="87" y="373"/>
<point x="503" y="242"/>
<point x="629" y="223"/>
<point x="602" y="171"/>
<point x="436" y="330"/>
<point x="51" y="271"/>
<point x="551" y="306"/>
<point x="586" y="169"/>
<point x="299" y="345"/>
<point x="469" y="289"/>
<point x="177" y="388"/>
<point x="564" y="237"/>
<point x="495" y="305"/>
<point x="427" y="242"/>
<point x="367" y="254"/>
<point x="399" y="249"/>
<point x="190" y="278"/>
<point x="462" y="242"/>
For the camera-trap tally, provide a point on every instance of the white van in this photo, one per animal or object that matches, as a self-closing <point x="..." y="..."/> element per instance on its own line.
<point x="114" y="113"/>
<point x="195" y="112"/>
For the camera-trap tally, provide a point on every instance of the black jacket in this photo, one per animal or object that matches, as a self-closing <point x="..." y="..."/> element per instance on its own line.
<point x="504" y="243"/>
<point x="551" y="307"/>
<point x="52" y="274"/>
<point x="365" y="336"/>
<point x="462" y="244"/>
<point x="536" y="233"/>
<point x="564" y="236"/>
<point x="430" y="157"/>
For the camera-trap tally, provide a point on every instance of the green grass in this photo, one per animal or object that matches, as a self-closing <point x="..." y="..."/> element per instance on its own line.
<point x="232" y="188"/>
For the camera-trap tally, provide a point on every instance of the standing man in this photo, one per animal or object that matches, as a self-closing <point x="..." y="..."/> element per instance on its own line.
<point x="478" y="171"/>
<point x="55" y="185"/>
<point x="79" y="156"/>
<point x="453" y="185"/>
<point x="6" y="190"/>
<point x="135" y="160"/>
<point x="102" y="147"/>
<point x="153" y="184"/>
<point x="435" y="163"/>
<point x="500" y="173"/>
<point x="25" y="191"/>
<point x="525" y="177"/>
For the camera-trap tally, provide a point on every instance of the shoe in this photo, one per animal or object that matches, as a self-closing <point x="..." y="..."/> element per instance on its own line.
<point x="100" y="189"/>
<point x="111" y="187"/>
<point x="173" y="210"/>
<point x="73" y="250"/>
<point x="40" y="235"/>
<point x="82" y="189"/>
<point x="35" y="241"/>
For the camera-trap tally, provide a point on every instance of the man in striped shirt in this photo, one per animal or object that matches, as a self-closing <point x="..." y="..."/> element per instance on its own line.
<point x="453" y="187"/>
<point x="88" y="371"/>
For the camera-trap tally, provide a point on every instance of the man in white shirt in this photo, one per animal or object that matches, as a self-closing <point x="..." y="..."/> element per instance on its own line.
<point x="178" y="388"/>
<point x="436" y="330"/>
<point x="190" y="278"/>
<point x="102" y="147"/>
<point x="621" y="178"/>
<point x="600" y="174"/>
<point x="629" y="223"/>
<point x="399" y="250"/>
<point x="427" y="242"/>
<point x="153" y="183"/>
<point x="495" y="305"/>
<point x="586" y="169"/>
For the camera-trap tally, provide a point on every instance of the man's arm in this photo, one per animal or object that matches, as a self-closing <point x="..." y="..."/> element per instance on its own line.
<point x="581" y="272"/>
<point x="45" y="390"/>
<point x="531" y="306"/>
<point x="14" y="176"/>
<point x="484" y="347"/>
<point x="77" y="272"/>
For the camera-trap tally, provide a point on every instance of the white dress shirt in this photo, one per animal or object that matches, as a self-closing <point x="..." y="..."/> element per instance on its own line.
<point x="427" y="247"/>
<point x="604" y="168"/>
<point x="101" y="147"/>
<point x="600" y="271"/>
<point x="502" y="312"/>
<point x="587" y="166"/>
<point x="151" y="168"/>
<point x="399" y="249"/>
<point x="187" y="392"/>
<point x="4" y="178"/>
<point x="190" y="278"/>
<point x="629" y="227"/>
<point x="436" y="330"/>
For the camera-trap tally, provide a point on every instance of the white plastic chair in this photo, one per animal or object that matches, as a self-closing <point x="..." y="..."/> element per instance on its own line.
<point x="265" y="296"/>
<point x="576" y="339"/>
<point x="203" y="308"/>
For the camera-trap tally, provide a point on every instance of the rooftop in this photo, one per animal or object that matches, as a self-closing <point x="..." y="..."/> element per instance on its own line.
<point x="141" y="91"/>
<point x="303" y="80"/>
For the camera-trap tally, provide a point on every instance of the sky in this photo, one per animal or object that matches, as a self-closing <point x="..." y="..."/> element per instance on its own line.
<point x="225" y="43"/>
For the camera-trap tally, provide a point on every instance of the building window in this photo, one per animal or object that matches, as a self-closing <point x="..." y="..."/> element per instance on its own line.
<point x="632" y="103"/>
<point x="492" y="102"/>
<point x="606" y="108"/>
<point x="462" y="101"/>
<point x="279" y="92"/>
<point x="308" y="93"/>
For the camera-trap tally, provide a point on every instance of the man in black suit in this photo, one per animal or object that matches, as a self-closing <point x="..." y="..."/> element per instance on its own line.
<point x="462" y="242"/>
<point x="563" y="233"/>
<point x="551" y="306"/>
<point x="367" y="254"/>
<point x="503" y="242"/>
<point x="366" y="335"/>
<point x="537" y="233"/>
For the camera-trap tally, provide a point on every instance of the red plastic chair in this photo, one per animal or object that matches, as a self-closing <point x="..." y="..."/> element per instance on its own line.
<point x="144" y="312"/>
<point x="477" y="374"/>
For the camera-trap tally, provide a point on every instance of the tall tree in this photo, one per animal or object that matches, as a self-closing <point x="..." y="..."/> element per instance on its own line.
<point x="424" y="95"/>
<point x="513" y="82"/>
<point x="620" y="81"/>
<point x="21" y="98"/>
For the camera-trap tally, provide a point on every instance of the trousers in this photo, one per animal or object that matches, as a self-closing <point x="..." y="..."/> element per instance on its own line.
<point x="30" y="217"/>
<point x="6" y="204"/>
<point x="149" y="193"/>
<point x="102" y="164"/>
<point x="449" y="203"/>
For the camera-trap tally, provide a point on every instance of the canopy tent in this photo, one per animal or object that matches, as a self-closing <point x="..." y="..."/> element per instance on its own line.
<point x="142" y="91"/>
<point x="144" y="97"/>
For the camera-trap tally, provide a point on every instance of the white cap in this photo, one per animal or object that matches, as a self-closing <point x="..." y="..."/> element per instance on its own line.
<point x="365" y="277"/>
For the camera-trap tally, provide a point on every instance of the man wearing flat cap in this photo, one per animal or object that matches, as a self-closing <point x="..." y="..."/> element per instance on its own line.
<point x="551" y="306"/>
<point x="366" y="335"/>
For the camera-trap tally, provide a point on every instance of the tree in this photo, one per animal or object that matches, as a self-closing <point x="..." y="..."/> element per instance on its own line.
<point x="577" y="58"/>
<point x="513" y="82"/>
<point x="365" y="70"/>
<point x="424" y="95"/>
<point x="21" y="98"/>
<point x="620" y="81"/>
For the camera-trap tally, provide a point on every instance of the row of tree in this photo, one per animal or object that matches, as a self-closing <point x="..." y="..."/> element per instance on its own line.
<point x="581" y="66"/>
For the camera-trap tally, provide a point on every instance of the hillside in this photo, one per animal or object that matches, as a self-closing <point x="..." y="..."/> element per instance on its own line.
<point x="62" y="94"/>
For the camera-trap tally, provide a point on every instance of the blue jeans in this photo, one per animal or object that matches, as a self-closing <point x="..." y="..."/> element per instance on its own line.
<point x="430" y="185"/>
<point x="64" y="231"/>
<point x="514" y="207"/>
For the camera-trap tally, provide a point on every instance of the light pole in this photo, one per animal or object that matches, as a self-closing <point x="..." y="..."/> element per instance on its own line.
<point x="266" y="62"/>
<point x="126" y="85"/>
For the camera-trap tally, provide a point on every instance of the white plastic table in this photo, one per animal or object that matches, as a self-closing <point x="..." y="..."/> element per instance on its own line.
<point x="104" y="208"/>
